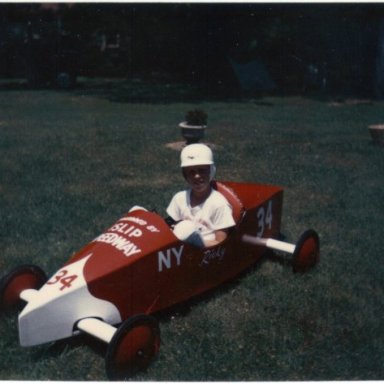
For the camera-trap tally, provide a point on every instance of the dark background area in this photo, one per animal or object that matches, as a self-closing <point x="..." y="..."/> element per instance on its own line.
<point x="226" y="49"/>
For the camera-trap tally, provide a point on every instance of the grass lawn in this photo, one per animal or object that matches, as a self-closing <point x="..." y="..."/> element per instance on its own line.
<point x="73" y="162"/>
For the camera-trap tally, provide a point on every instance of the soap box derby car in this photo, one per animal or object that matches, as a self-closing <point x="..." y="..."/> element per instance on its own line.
<point x="138" y="267"/>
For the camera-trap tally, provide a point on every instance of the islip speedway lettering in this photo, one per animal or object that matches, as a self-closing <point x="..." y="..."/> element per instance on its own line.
<point x="124" y="245"/>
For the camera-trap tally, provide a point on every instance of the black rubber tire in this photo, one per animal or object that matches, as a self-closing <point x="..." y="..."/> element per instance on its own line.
<point x="133" y="347"/>
<point x="307" y="251"/>
<point x="17" y="280"/>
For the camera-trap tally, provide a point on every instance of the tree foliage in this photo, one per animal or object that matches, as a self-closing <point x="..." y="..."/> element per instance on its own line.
<point x="193" y="42"/>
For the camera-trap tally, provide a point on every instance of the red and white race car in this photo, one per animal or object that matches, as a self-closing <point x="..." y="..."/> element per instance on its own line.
<point x="138" y="267"/>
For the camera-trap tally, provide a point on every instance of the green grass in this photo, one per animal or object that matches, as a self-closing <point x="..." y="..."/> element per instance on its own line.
<point x="71" y="163"/>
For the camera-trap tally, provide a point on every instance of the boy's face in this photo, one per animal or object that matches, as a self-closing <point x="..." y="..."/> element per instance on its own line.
<point x="198" y="177"/>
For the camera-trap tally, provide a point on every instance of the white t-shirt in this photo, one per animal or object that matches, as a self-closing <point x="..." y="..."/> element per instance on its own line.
<point x="213" y="214"/>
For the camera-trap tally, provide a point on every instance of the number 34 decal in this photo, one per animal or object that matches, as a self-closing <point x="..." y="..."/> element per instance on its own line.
<point x="264" y="218"/>
<point x="63" y="279"/>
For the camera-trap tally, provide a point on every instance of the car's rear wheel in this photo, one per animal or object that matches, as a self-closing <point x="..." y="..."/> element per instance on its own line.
<point x="307" y="251"/>
<point x="17" y="280"/>
<point x="133" y="347"/>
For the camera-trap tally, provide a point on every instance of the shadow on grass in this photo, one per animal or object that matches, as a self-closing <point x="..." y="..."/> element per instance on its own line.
<point x="184" y="308"/>
<point x="153" y="91"/>
<point x="83" y="339"/>
<point x="137" y="90"/>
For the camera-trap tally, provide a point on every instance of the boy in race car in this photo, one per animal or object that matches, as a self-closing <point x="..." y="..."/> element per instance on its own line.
<point x="201" y="215"/>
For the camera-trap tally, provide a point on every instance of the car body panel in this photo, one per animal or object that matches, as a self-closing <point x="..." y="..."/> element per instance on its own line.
<point x="138" y="266"/>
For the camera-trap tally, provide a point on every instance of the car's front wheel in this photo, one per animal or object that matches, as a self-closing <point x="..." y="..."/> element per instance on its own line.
<point x="17" y="280"/>
<point x="133" y="347"/>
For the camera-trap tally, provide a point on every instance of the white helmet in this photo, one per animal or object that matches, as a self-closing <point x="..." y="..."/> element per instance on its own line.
<point x="196" y="154"/>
